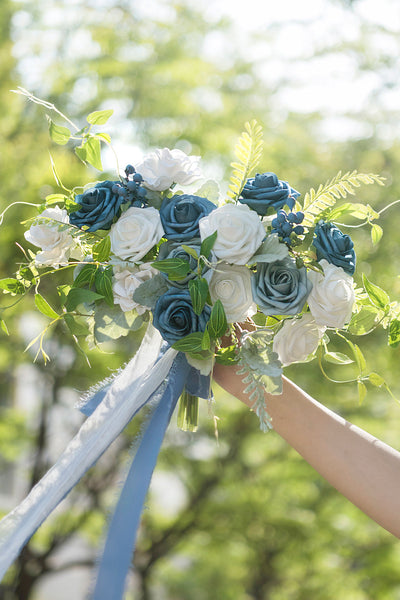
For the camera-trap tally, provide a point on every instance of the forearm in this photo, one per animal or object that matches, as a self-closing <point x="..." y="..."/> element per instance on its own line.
<point x="361" y="467"/>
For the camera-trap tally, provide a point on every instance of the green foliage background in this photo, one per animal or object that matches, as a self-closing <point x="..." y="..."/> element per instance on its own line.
<point x="252" y="519"/>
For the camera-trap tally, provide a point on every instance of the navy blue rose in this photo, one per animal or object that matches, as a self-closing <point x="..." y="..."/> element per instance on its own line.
<point x="99" y="206"/>
<point x="173" y="249"/>
<point x="175" y="318"/>
<point x="335" y="247"/>
<point x="280" y="288"/>
<point x="266" y="193"/>
<point x="180" y="216"/>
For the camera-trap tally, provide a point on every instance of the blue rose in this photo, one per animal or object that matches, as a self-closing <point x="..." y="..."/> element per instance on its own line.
<point x="280" y="288"/>
<point x="180" y="216"/>
<point x="336" y="247"/>
<point x="99" y="206"/>
<point x="265" y="192"/>
<point x="175" y="318"/>
<point x="173" y="249"/>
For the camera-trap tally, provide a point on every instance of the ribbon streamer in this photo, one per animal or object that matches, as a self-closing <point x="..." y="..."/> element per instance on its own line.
<point x="131" y="389"/>
<point x="121" y="538"/>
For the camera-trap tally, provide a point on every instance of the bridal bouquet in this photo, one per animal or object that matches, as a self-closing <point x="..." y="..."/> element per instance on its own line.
<point x="260" y="277"/>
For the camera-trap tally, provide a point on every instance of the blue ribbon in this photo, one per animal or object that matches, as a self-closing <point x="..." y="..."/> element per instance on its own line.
<point x="120" y="542"/>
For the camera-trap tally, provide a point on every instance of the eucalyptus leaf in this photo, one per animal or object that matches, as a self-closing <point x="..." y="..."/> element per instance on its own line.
<point x="150" y="290"/>
<point x="112" y="323"/>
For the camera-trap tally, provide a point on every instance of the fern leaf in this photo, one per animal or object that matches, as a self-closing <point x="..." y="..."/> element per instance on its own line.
<point x="248" y="151"/>
<point x="326" y="196"/>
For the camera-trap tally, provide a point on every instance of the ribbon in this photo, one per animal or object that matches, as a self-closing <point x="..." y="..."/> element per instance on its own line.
<point x="131" y="389"/>
<point x="121" y="537"/>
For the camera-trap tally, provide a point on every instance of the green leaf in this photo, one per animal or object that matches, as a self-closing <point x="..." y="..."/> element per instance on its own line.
<point x="101" y="251"/>
<point x="248" y="152"/>
<point x="394" y="333"/>
<point x="93" y="153"/>
<point x="227" y="356"/>
<point x="376" y="233"/>
<point x="99" y="117"/>
<point x="76" y="324"/>
<point x="54" y="199"/>
<point x="337" y="358"/>
<point x="104" y="136"/>
<point x="190" y="343"/>
<point x="60" y="135"/>
<point x="175" y="268"/>
<point x="217" y="324"/>
<point x="85" y="276"/>
<point x="4" y="327"/>
<point x="63" y="291"/>
<point x="362" y="391"/>
<point x="376" y="380"/>
<point x="78" y="296"/>
<point x="198" y="289"/>
<point x="207" y="244"/>
<point x="103" y="283"/>
<point x="206" y="341"/>
<point x="14" y="286"/>
<point x="360" y="359"/>
<point x="377" y="296"/>
<point x="326" y="196"/>
<point x="44" y="307"/>
<point x="191" y="251"/>
<point x="365" y="320"/>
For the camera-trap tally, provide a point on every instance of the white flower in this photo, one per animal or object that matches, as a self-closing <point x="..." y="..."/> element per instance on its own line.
<point x="203" y="366"/>
<point x="332" y="297"/>
<point x="232" y="285"/>
<point x="240" y="232"/>
<point x="136" y="232"/>
<point x="49" y="236"/>
<point x="297" y="339"/>
<point x="161" y="168"/>
<point x="126" y="281"/>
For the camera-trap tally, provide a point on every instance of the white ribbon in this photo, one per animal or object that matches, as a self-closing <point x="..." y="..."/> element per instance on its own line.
<point x="127" y="394"/>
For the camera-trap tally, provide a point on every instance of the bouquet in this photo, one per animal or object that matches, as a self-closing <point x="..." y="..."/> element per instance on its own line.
<point x="259" y="277"/>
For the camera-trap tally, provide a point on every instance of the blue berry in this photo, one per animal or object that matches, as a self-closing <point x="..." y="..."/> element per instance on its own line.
<point x="131" y="185"/>
<point x="300" y="217"/>
<point x="286" y="228"/>
<point x="130" y="169"/>
<point x="115" y="188"/>
<point x="291" y="218"/>
<point x="299" y="230"/>
<point x="138" y="178"/>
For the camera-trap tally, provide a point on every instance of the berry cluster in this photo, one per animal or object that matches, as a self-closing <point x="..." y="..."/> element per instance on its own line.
<point x="284" y="224"/>
<point x="130" y="187"/>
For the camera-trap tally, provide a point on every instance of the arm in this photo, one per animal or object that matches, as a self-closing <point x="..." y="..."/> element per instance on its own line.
<point x="361" y="467"/>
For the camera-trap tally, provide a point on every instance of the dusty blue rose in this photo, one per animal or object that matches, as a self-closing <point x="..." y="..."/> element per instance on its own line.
<point x="265" y="192"/>
<point x="175" y="318"/>
<point x="99" y="206"/>
<point x="180" y="216"/>
<point x="173" y="249"/>
<point x="280" y="288"/>
<point x="335" y="247"/>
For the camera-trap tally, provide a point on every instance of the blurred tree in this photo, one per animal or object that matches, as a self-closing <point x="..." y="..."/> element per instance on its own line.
<point x="252" y="520"/>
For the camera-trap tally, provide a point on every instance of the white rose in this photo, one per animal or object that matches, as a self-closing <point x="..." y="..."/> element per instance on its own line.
<point x="161" y="168"/>
<point x="136" y="232"/>
<point x="240" y="232"/>
<point x="232" y="285"/>
<point x="126" y="281"/>
<point x="297" y="339"/>
<point x="49" y="236"/>
<point x="332" y="297"/>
